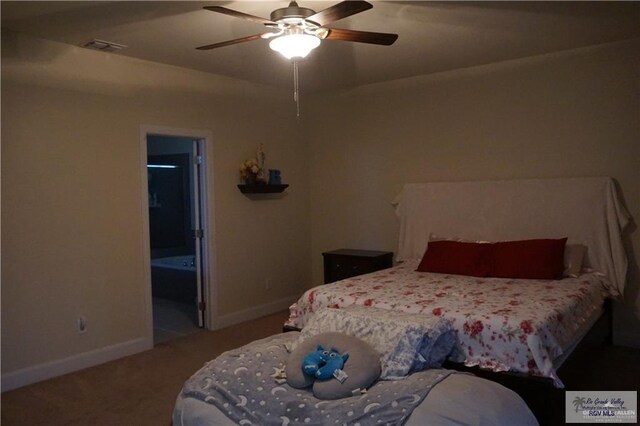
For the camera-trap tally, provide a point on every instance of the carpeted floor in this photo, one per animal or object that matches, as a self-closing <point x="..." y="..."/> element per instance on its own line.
<point x="141" y="389"/>
<point x="137" y="390"/>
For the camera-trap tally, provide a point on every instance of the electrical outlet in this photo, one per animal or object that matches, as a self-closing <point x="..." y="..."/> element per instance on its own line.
<point x="81" y="324"/>
<point x="267" y="283"/>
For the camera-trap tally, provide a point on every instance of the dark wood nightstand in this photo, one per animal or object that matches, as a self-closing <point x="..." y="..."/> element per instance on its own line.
<point x="346" y="263"/>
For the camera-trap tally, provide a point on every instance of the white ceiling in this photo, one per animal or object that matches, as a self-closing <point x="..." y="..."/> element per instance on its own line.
<point x="433" y="36"/>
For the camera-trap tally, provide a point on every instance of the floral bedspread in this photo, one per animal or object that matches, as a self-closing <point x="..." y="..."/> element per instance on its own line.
<point x="501" y="324"/>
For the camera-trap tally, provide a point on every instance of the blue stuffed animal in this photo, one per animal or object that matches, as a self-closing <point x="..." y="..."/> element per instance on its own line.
<point x="313" y="361"/>
<point x="335" y="362"/>
<point x="321" y="364"/>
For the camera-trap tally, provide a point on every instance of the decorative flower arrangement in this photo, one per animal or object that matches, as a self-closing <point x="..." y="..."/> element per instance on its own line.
<point x="252" y="170"/>
<point x="248" y="167"/>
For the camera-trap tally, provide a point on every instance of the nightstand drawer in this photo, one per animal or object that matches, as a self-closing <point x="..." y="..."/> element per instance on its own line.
<point x="345" y="267"/>
<point x="347" y="263"/>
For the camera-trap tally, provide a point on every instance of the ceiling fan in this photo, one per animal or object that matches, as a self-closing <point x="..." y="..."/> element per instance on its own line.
<point x="296" y="30"/>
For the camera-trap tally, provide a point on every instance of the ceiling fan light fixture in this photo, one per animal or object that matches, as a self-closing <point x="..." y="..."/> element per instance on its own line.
<point x="294" y="45"/>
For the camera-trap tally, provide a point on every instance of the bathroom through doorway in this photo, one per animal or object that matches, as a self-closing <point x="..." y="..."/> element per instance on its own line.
<point x="177" y="243"/>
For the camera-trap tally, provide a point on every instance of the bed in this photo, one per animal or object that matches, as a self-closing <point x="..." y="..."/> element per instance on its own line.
<point x="501" y="324"/>
<point x="514" y="325"/>
<point x="208" y="399"/>
<point x="524" y="326"/>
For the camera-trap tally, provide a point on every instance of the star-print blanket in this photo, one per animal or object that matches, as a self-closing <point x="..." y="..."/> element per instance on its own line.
<point x="501" y="324"/>
<point x="240" y="384"/>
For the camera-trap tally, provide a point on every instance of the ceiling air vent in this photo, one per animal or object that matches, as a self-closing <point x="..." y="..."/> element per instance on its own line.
<point x="105" y="46"/>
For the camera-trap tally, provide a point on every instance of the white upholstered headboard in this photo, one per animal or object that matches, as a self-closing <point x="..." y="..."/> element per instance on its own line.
<point x="586" y="210"/>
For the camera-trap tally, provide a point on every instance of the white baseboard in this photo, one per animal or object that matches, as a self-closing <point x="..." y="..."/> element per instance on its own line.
<point x="254" y="312"/>
<point x="37" y="373"/>
<point x="40" y="372"/>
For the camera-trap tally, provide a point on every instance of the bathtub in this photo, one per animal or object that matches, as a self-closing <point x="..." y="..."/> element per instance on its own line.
<point x="174" y="278"/>
<point x="180" y="263"/>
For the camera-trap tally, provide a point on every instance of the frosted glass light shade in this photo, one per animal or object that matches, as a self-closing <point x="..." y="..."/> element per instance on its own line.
<point x="294" y="45"/>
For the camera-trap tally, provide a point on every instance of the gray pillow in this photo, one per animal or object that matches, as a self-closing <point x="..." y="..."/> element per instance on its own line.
<point x="362" y="367"/>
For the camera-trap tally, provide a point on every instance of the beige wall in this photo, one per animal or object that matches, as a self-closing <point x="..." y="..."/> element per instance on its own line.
<point x="71" y="179"/>
<point x="71" y="194"/>
<point x="574" y="113"/>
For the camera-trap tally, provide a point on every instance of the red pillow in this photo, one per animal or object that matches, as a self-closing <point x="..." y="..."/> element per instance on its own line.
<point x="530" y="259"/>
<point x="454" y="257"/>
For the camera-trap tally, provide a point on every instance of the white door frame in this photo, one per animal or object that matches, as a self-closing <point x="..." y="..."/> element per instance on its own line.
<point x="207" y="221"/>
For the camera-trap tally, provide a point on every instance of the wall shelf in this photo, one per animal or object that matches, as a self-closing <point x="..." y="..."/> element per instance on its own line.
<point x="262" y="188"/>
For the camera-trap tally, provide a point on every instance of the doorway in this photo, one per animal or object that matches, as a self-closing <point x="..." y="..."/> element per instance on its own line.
<point x="176" y="245"/>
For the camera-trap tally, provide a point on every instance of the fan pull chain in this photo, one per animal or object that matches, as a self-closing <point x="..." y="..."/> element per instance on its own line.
<point x="296" y="92"/>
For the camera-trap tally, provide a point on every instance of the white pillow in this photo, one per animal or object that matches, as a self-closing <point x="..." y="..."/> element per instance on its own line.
<point x="434" y="237"/>
<point x="573" y="259"/>
<point x="406" y="342"/>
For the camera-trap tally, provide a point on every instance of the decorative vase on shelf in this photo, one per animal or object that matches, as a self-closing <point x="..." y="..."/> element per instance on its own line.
<point x="251" y="179"/>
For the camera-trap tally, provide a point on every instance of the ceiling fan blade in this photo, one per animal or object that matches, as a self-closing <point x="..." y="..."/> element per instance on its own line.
<point x="339" y="11"/>
<point x="230" y="12"/>
<point x="361" y="36"/>
<point x="230" y="42"/>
